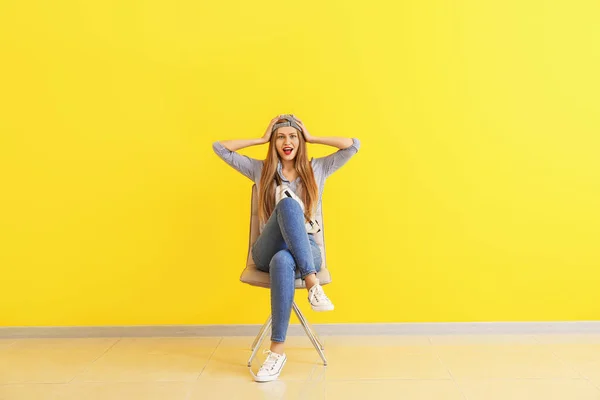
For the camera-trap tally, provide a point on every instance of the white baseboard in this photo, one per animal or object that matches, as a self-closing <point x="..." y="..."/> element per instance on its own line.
<point x="434" y="328"/>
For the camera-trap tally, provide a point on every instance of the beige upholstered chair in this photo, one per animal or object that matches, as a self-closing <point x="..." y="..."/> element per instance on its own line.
<point x="253" y="276"/>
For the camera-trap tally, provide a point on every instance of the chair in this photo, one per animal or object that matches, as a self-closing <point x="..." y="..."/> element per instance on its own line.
<point x="253" y="276"/>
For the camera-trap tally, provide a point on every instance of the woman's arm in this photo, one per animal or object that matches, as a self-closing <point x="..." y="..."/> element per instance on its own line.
<point x="339" y="142"/>
<point x="329" y="164"/>
<point x="348" y="147"/>
<point x="250" y="167"/>
<point x="237" y="144"/>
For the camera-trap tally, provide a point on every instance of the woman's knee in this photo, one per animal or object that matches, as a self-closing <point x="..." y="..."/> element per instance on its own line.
<point x="288" y="203"/>
<point x="283" y="259"/>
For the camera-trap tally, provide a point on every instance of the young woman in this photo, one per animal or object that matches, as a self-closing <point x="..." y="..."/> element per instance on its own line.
<point x="290" y="189"/>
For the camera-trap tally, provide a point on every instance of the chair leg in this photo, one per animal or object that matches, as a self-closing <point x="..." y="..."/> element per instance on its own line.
<point x="310" y="333"/>
<point x="305" y="322"/>
<point x="314" y="334"/>
<point x="262" y="329"/>
<point x="260" y="338"/>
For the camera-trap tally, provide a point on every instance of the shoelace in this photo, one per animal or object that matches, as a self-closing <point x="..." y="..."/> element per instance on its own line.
<point x="271" y="360"/>
<point x="319" y="295"/>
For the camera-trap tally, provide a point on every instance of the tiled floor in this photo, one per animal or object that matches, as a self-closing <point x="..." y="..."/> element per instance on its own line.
<point x="471" y="367"/>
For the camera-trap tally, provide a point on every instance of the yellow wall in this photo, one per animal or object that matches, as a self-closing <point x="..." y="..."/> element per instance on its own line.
<point x="475" y="196"/>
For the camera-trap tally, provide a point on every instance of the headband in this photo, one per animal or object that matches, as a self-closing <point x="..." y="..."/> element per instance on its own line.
<point x="289" y="121"/>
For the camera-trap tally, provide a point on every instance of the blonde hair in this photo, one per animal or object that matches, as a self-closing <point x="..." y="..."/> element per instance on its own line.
<point x="309" y="191"/>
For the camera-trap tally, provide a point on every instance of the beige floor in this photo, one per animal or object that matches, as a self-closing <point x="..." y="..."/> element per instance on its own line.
<point x="481" y="367"/>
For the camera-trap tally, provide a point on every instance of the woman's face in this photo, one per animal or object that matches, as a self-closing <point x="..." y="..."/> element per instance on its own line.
<point x="287" y="142"/>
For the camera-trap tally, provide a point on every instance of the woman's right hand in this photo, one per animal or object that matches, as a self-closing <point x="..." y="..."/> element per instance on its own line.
<point x="267" y="136"/>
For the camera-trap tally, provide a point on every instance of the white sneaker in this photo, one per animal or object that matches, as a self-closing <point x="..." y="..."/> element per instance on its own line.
<point x="318" y="299"/>
<point x="271" y="368"/>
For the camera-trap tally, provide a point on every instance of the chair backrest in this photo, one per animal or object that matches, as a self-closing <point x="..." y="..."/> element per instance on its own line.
<point x="250" y="270"/>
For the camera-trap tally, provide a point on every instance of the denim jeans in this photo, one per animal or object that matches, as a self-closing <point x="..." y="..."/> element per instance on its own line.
<point x="286" y="252"/>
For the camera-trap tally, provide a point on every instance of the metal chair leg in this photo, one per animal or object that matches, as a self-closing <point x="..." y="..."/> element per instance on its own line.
<point x="259" y="339"/>
<point x="315" y="335"/>
<point x="305" y="322"/>
<point x="311" y="335"/>
<point x="262" y="329"/>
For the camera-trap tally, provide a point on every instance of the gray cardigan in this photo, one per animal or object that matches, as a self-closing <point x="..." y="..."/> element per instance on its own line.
<point x="322" y="167"/>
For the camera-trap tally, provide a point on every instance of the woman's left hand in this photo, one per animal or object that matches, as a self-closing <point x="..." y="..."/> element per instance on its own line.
<point x="307" y="135"/>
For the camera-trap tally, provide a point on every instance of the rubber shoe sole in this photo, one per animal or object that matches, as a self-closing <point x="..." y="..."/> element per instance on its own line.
<point x="325" y="307"/>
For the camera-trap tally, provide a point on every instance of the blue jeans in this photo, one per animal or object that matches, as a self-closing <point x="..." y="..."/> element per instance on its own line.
<point x="286" y="252"/>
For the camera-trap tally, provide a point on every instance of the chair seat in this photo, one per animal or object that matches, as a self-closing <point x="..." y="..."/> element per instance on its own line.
<point x="253" y="276"/>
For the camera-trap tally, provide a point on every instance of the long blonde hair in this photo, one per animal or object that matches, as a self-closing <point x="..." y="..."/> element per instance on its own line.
<point x="309" y="191"/>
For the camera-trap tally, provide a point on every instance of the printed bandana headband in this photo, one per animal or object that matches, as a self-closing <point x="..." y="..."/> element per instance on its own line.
<point x="290" y="121"/>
